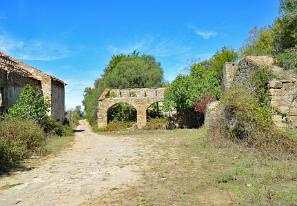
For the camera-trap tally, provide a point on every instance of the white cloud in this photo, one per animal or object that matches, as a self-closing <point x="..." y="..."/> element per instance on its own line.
<point x="32" y="49"/>
<point x="204" y="34"/>
<point x="151" y="45"/>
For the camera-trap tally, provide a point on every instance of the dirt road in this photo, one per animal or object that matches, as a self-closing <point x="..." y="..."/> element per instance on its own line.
<point x="94" y="165"/>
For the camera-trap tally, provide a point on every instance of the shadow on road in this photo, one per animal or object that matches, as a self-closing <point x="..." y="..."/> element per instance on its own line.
<point x="78" y="130"/>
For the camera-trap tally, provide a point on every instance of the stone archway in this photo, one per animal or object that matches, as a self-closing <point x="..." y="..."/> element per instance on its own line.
<point x="140" y="99"/>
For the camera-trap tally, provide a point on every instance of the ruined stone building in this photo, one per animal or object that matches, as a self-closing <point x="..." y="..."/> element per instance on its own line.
<point x="139" y="98"/>
<point x="14" y="75"/>
<point x="282" y="89"/>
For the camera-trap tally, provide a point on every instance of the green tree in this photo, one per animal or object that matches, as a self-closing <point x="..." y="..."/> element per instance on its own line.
<point x="123" y="71"/>
<point x="90" y="103"/>
<point x="259" y="42"/>
<point x="133" y="71"/>
<point x="204" y="79"/>
<point x="30" y="105"/>
<point x="285" y="28"/>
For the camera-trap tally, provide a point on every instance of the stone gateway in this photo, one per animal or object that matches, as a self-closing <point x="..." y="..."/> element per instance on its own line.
<point x="140" y="99"/>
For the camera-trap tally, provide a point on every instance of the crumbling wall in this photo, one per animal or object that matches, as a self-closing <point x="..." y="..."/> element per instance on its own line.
<point x="283" y="92"/>
<point x="14" y="75"/>
<point x="58" y="101"/>
<point x="140" y="99"/>
<point x="53" y="89"/>
<point x="229" y="72"/>
<point x="15" y="84"/>
<point x="3" y="83"/>
<point x="284" y="102"/>
<point x="11" y="85"/>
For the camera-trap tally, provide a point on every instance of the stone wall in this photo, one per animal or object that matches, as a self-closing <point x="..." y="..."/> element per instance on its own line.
<point x="19" y="74"/>
<point x="284" y="102"/>
<point x="3" y="83"/>
<point x="283" y="92"/>
<point x="53" y="89"/>
<point x="140" y="99"/>
<point x="58" y="100"/>
<point x="11" y="86"/>
<point x="229" y="72"/>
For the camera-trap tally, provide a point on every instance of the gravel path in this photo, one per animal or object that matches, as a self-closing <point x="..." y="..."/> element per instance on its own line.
<point x="92" y="166"/>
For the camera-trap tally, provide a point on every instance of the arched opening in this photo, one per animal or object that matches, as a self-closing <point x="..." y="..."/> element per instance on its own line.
<point x="121" y="116"/>
<point x="155" y="110"/>
<point x="157" y="118"/>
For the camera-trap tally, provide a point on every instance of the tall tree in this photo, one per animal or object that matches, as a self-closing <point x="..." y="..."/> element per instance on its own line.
<point x="285" y="27"/>
<point x="123" y="71"/>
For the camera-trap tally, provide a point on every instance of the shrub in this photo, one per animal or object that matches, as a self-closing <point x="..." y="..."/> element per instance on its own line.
<point x="67" y="130"/>
<point x="247" y="121"/>
<point x="201" y="105"/>
<point x="257" y="85"/>
<point x="19" y="139"/>
<point x="287" y="59"/>
<point x="116" y="125"/>
<point x="122" y="112"/>
<point x="259" y="42"/>
<point x="30" y="105"/>
<point x="157" y="123"/>
<point x="53" y="127"/>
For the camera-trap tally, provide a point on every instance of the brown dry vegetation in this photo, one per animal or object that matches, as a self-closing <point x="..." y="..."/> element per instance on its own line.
<point x="182" y="167"/>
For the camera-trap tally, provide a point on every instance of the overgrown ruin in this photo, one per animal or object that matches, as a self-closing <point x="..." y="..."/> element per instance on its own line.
<point x="282" y="89"/>
<point x="14" y="75"/>
<point x="140" y="99"/>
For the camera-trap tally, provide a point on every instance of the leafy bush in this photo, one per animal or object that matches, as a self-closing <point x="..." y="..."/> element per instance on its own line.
<point x="116" y="125"/>
<point x="257" y="85"/>
<point x="259" y="42"/>
<point x="157" y="123"/>
<point x="247" y="121"/>
<point x="285" y="27"/>
<point x="122" y="112"/>
<point x="287" y="59"/>
<point x="90" y="102"/>
<point x="155" y="110"/>
<point x="51" y="126"/>
<point x="30" y="105"/>
<point x="204" y="79"/>
<point x="19" y="139"/>
<point x="73" y="116"/>
<point x="201" y="105"/>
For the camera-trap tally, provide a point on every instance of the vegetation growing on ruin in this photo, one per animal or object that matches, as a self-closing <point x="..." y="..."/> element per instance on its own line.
<point x="204" y="79"/>
<point x="123" y="71"/>
<point x="279" y="39"/>
<point x="25" y="128"/>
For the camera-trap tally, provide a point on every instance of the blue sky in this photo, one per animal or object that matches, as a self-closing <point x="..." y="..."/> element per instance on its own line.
<point x="74" y="40"/>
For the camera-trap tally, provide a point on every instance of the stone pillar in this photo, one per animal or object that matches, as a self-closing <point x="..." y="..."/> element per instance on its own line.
<point x="141" y="118"/>
<point x="46" y="85"/>
<point x="229" y="72"/>
<point x="102" y="118"/>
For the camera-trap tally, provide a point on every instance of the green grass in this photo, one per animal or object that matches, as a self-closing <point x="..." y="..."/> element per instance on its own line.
<point x="185" y="167"/>
<point x="57" y="143"/>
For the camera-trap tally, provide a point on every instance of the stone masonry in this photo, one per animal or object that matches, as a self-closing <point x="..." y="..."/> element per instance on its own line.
<point x="284" y="101"/>
<point x="283" y="91"/>
<point x="14" y="75"/>
<point x="140" y="99"/>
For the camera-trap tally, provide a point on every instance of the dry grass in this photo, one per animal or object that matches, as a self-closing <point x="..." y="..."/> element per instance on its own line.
<point x="181" y="167"/>
<point x="57" y="143"/>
